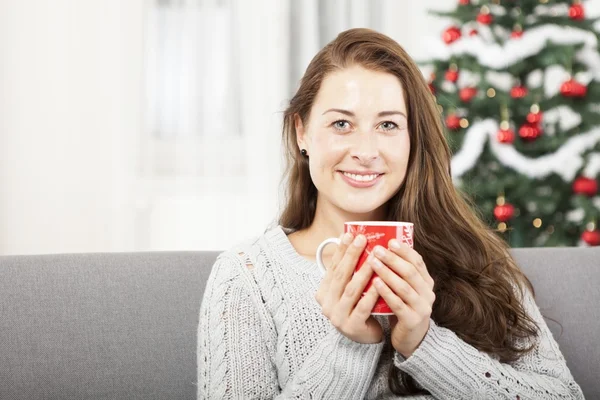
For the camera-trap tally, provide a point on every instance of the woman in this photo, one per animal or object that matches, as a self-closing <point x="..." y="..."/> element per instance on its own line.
<point x="364" y="142"/>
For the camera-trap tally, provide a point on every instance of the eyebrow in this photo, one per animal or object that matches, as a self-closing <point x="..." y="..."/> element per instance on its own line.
<point x="351" y="114"/>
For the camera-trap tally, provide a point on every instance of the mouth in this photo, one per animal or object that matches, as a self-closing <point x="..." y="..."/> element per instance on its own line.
<point x="361" y="179"/>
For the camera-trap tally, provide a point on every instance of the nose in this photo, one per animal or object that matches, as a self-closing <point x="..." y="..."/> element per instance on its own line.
<point x="365" y="148"/>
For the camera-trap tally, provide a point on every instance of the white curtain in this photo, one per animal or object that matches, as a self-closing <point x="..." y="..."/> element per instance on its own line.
<point x="219" y="75"/>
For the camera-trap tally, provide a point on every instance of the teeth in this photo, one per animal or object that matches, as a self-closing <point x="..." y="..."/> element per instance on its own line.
<point x="361" y="178"/>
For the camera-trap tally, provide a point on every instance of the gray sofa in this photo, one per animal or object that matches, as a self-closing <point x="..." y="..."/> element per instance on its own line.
<point x="123" y="325"/>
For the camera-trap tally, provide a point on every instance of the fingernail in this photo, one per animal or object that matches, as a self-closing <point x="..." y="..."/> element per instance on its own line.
<point x="359" y="241"/>
<point x="394" y="244"/>
<point x="379" y="252"/>
<point x="371" y="260"/>
<point x="376" y="263"/>
<point x="347" y="238"/>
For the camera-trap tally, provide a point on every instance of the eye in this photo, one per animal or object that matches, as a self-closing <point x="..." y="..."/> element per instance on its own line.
<point x="388" y="125"/>
<point x="341" y="125"/>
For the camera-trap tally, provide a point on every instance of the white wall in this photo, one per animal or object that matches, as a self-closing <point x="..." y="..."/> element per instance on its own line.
<point x="71" y="106"/>
<point x="69" y="118"/>
<point x="411" y="22"/>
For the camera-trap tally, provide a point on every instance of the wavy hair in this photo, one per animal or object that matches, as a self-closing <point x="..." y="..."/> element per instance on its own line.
<point x="477" y="283"/>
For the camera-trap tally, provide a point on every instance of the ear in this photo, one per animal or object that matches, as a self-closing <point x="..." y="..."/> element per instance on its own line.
<point x="300" y="132"/>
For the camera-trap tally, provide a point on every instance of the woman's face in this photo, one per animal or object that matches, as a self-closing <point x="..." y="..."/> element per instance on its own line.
<point x="357" y="140"/>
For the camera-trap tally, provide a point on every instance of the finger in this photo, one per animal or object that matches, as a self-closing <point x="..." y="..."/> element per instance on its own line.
<point x="407" y="271"/>
<point x="343" y="272"/>
<point x="398" y="307"/>
<point x="345" y="241"/>
<point x="399" y="286"/>
<point x="354" y="289"/>
<point x="363" y="308"/>
<point x="409" y="254"/>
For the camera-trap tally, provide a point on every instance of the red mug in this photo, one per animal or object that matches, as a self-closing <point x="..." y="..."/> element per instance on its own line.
<point x="377" y="233"/>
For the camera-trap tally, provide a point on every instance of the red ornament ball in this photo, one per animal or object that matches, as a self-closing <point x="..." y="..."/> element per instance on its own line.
<point x="586" y="186"/>
<point x="485" y="18"/>
<point x="591" y="237"/>
<point x="452" y="75"/>
<point x="464" y="2"/>
<point x="530" y="132"/>
<point x="572" y="88"/>
<point x="505" y="136"/>
<point x="504" y="212"/>
<point x="451" y="34"/>
<point x="576" y="12"/>
<point x="518" y="92"/>
<point x="534" y="118"/>
<point x="453" y="122"/>
<point x="467" y="94"/>
<point x="517" y="31"/>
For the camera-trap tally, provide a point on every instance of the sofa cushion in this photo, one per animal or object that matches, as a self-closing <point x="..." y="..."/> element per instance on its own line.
<point x="100" y="326"/>
<point x="567" y="284"/>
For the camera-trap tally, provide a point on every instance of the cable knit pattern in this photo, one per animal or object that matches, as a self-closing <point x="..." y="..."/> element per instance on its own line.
<point x="262" y="336"/>
<point x="450" y="368"/>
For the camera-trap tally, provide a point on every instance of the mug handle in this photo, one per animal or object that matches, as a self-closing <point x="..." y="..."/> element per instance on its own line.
<point x="320" y="252"/>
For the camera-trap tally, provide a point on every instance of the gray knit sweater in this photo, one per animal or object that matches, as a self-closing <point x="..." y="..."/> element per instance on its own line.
<point x="262" y="336"/>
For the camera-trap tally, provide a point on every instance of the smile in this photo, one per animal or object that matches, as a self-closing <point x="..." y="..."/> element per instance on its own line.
<point x="361" y="180"/>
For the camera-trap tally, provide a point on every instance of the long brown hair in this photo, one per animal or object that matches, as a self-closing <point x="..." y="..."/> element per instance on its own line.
<point x="477" y="283"/>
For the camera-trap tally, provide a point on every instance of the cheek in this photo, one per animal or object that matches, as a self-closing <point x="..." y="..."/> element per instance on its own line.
<point x="327" y="150"/>
<point x="397" y="154"/>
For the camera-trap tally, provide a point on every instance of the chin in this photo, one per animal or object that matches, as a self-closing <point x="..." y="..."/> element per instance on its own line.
<point x="360" y="208"/>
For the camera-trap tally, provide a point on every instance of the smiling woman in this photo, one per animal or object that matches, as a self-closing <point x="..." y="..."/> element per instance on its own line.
<point x="364" y="142"/>
<point x="357" y="139"/>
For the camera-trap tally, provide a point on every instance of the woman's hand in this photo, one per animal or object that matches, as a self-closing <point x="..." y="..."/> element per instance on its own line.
<point x="340" y="293"/>
<point x="407" y="288"/>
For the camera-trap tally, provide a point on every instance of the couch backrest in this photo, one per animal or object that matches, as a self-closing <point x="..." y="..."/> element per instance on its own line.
<point x="124" y="325"/>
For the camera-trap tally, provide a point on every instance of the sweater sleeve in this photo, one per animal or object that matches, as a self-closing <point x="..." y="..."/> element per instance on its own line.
<point x="450" y="368"/>
<point x="236" y="349"/>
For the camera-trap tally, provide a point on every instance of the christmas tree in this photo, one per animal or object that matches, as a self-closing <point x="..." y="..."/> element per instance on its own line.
<point x="518" y="84"/>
